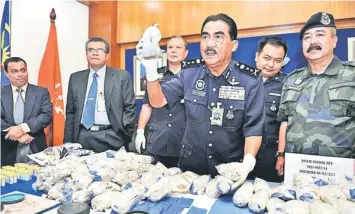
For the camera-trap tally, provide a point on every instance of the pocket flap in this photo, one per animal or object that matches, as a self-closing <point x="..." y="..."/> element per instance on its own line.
<point x="342" y="91"/>
<point x="195" y="99"/>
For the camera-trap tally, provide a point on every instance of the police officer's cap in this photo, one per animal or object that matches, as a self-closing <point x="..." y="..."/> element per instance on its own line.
<point x="320" y="19"/>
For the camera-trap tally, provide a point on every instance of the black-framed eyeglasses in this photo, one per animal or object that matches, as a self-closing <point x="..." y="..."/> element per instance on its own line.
<point x="98" y="51"/>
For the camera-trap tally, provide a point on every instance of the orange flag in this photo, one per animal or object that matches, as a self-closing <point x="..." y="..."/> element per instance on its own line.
<point x="49" y="77"/>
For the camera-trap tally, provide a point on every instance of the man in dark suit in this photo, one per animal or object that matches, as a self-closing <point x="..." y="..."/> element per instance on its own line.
<point x="101" y="104"/>
<point x="26" y="110"/>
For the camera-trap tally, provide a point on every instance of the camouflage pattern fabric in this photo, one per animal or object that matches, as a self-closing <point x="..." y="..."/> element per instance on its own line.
<point x="320" y="110"/>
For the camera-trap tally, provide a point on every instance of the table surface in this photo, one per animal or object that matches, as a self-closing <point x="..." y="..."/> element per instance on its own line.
<point x="194" y="203"/>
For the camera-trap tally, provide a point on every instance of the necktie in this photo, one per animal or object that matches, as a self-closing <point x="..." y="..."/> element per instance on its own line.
<point x="19" y="107"/>
<point x="89" y="110"/>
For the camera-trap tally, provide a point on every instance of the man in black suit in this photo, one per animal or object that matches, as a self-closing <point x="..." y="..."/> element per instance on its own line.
<point x="26" y="110"/>
<point x="101" y="104"/>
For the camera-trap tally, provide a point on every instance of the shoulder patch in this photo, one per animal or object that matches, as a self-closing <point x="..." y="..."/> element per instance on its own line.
<point x="247" y="69"/>
<point x="192" y="63"/>
<point x="349" y="63"/>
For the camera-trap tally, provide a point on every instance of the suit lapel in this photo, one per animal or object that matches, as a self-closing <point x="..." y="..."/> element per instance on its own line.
<point x="109" y="80"/>
<point x="82" y="85"/>
<point x="30" y="99"/>
<point x="8" y="103"/>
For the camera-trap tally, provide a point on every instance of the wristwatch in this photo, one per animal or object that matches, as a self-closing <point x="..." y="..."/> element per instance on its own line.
<point x="280" y="154"/>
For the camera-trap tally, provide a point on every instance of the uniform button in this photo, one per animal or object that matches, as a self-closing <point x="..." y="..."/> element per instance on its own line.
<point x="183" y="146"/>
<point x="211" y="132"/>
<point x="195" y="100"/>
<point x="210" y="157"/>
<point x="210" y="145"/>
<point x="230" y="107"/>
<point x="169" y="125"/>
<point x="212" y="104"/>
<point x="170" y="114"/>
<point x="214" y="89"/>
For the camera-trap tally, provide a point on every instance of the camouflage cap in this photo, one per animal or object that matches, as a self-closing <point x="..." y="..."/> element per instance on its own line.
<point x="320" y="19"/>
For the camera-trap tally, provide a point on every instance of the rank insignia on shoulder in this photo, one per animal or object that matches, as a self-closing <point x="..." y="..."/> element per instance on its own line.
<point x="247" y="69"/>
<point x="192" y="63"/>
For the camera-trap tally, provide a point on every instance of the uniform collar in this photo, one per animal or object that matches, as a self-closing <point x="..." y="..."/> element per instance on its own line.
<point x="278" y="77"/>
<point x="332" y="69"/>
<point x="226" y="73"/>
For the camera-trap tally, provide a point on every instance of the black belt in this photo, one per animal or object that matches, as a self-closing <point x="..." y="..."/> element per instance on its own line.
<point x="98" y="127"/>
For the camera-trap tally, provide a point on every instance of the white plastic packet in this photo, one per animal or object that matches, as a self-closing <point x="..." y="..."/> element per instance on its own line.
<point x="243" y="195"/>
<point x="224" y="185"/>
<point x="295" y="207"/>
<point x="349" y="191"/>
<point x="211" y="189"/>
<point x="198" y="186"/>
<point x="230" y="170"/>
<point x="329" y="194"/>
<point x="180" y="184"/>
<point x="125" y="177"/>
<point x="126" y="201"/>
<point x="258" y="201"/>
<point x="307" y="193"/>
<point x="301" y="180"/>
<point x="172" y="171"/>
<point x="81" y="180"/>
<point x="283" y="192"/>
<point x="261" y="185"/>
<point x="274" y="205"/>
<point x="81" y="196"/>
<point x="319" y="207"/>
<point x="104" y="200"/>
<point x="344" y="207"/>
<point x="159" y="190"/>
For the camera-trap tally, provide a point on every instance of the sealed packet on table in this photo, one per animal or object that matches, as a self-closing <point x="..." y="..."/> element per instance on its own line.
<point x="199" y="185"/>
<point x="274" y="205"/>
<point x="319" y="207"/>
<point x="329" y="194"/>
<point x="103" y="201"/>
<point x="283" y="192"/>
<point x="159" y="190"/>
<point x="295" y="207"/>
<point x="307" y="193"/>
<point x="349" y="191"/>
<point x="258" y="201"/>
<point x="127" y="200"/>
<point x="230" y="170"/>
<point x="243" y="195"/>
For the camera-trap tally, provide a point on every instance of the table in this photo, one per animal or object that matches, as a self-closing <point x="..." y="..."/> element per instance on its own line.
<point x="223" y="205"/>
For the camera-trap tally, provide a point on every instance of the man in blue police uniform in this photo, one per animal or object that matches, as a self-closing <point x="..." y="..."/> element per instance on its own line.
<point x="269" y="59"/>
<point x="224" y="101"/>
<point x="166" y="125"/>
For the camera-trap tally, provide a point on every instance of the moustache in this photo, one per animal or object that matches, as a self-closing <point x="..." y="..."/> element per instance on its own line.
<point x="211" y="49"/>
<point x="314" y="47"/>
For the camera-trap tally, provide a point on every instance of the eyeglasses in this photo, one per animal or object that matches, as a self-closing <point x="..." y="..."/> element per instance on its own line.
<point x="98" y="51"/>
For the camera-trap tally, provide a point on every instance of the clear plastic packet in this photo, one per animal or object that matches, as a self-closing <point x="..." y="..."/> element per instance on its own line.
<point x="274" y="205"/>
<point x="341" y="180"/>
<point x="211" y="189"/>
<point x="261" y="185"/>
<point x="125" y="177"/>
<point x="243" y="195"/>
<point x="147" y="179"/>
<point x="80" y="152"/>
<point x="159" y="190"/>
<point x="344" y="206"/>
<point x="283" y="192"/>
<point x="224" y="185"/>
<point x="103" y="201"/>
<point x="72" y="146"/>
<point x="127" y="200"/>
<point x="66" y="196"/>
<point x="319" y="207"/>
<point x="307" y="193"/>
<point x="258" y="201"/>
<point x="49" y="156"/>
<point x="349" y="191"/>
<point x="198" y="186"/>
<point x="172" y="171"/>
<point x="329" y="194"/>
<point x="81" y="180"/>
<point x="295" y="207"/>
<point x="231" y="171"/>
<point x="81" y="196"/>
<point x="180" y="183"/>
<point x="301" y="180"/>
<point x="99" y="187"/>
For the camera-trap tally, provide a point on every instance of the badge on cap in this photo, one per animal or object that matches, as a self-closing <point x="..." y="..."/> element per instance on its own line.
<point x="200" y="85"/>
<point x="299" y="80"/>
<point x="325" y="19"/>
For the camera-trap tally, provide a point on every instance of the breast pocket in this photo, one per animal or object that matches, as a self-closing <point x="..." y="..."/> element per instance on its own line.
<point x="342" y="99"/>
<point x="272" y="105"/>
<point x="292" y="94"/>
<point x="195" y="107"/>
<point x="233" y="115"/>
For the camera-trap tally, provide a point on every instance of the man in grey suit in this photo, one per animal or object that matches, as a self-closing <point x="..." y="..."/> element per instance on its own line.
<point x="101" y="105"/>
<point x="26" y="110"/>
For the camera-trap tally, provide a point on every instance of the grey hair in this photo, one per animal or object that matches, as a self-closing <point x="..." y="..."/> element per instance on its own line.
<point x="98" y="39"/>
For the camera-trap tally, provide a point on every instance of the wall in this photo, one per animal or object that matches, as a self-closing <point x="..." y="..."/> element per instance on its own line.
<point x="30" y="30"/>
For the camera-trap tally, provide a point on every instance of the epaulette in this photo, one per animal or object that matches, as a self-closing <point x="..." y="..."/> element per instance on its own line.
<point x="247" y="69"/>
<point x="349" y="63"/>
<point x="192" y="63"/>
<point x="281" y="76"/>
<point x="296" y="71"/>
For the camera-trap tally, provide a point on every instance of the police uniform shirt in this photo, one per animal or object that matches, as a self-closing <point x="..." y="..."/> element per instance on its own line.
<point x="320" y="110"/>
<point x="272" y="92"/>
<point x="166" y="126"/>
<point x="239" y="91"/>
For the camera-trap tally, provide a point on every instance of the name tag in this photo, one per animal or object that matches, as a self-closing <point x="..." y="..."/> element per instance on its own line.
<point x="199" y="93"/>
<point x="274" y="94"/>
<point x="231" y="92"/>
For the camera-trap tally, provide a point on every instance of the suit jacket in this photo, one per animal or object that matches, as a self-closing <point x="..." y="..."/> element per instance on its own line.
<point x="38" y="115"/>
<point x="119" y="100"/>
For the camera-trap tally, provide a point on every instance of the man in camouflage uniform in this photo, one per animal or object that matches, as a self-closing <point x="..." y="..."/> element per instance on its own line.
<point x="318" y="101"/>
